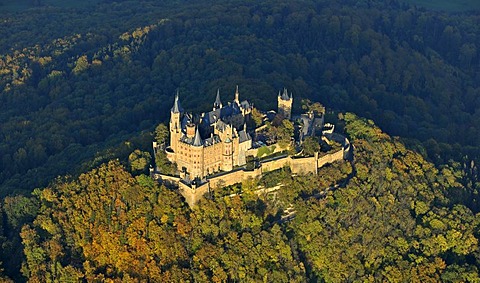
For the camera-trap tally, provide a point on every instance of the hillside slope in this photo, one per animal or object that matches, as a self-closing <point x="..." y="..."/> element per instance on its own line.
<point x="392" y="221"/>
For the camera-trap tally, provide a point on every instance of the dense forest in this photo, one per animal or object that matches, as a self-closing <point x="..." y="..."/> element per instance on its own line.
<point x="81" y="86"/>
<point x="75" y="82"/>
<point x="391" y="221"/>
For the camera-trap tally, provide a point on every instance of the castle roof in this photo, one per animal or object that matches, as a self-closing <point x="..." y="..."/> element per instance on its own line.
<point x="244" y="136"/>
<point x="218" y="102"/>
<point x="221" y="126"/>
<point x="237" y="95"/>
<point x="197" y="140"/>
<point x="245" y="104"/>
<point x="211" y="140"/>
<point x="177" y="108"/>
<point x="220" y="113"/>
<point x="284" y="95"/>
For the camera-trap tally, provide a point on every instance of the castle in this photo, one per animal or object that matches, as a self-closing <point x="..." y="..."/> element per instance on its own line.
<point x="210" y="149"/>
<point x="217" y="140"/>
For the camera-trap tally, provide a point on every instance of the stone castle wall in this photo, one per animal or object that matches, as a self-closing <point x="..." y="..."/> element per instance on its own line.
<point x="330" y="158"/>
<point x="193" y="195"/>
<point x="303" y="165"/>
<point x="227" y="179"/>
<point x="275" y="164"/>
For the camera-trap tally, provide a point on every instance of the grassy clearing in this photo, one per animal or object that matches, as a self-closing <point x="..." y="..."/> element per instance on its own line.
<point x="448" y="5"/>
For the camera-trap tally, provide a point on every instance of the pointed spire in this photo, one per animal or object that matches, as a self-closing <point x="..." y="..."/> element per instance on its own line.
<point x="218" y="103"/>
<point x="285" y="94"/>
<point x="279" y="94"/>
<point x="177" y="108"/>
<point x="198" y="140"/>
<point x="236" y="96"/>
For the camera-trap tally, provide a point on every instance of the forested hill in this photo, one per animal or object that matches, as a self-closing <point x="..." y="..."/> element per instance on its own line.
<point x="76" y="82"/>
<point x="390" y="222"/>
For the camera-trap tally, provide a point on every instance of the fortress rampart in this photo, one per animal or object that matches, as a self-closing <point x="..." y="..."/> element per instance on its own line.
<point x="301" y="165"/>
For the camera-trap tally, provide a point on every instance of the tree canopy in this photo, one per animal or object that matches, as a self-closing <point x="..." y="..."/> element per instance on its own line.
<point x="383" y="217"/>
<point x="82" y="86"/>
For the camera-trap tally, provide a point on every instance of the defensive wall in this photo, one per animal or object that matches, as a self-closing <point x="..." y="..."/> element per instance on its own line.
<point x="193" y="193"/>
<point x="300" y="165"/>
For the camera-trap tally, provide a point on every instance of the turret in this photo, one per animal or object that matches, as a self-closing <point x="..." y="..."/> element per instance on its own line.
<point x="218" y="103"/>
<point x="196" y="169"/>
<point x="237" y="100"/>
<point x="227" y="162"/>
<point x="177" y="108"/>
<point x="175" y="124"/>
<point x="197" y="140"/>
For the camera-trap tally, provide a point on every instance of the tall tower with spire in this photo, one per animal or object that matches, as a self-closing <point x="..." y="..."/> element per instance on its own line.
<point x="175" y="123"/>
<point x="285" y="104"/>
<point x="237" y="100"/>
<point x="197" y="168"/>
<point x="218" y="103"/>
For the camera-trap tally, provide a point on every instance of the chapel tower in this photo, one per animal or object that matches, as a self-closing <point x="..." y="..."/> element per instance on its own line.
<point x="285" y="104"/>
<point x="218" y="103"/>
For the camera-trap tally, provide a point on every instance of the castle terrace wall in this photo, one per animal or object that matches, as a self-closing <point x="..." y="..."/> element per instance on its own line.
<point x="303" y="165"/>
<point x="275" y="164"/>
<point x="330" y="158"/>
<point x="233" y="178"/>
<point x="166" y="179"/>
<point x="193" y="195"/>
<point x="226" y="179"/>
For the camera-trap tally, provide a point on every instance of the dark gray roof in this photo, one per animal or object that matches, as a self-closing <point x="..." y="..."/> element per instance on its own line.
<point x="185" y="120"/>
<point x="244" y="136"/>
<point x="245" y="104"/>
<point x="212" y="116"/>
<point x="211" y="140"/>
<point x="229" y="110"/>
<point x="221" y="126"/>
<point x="284" y="95"/>
<point x="218" y="102"/>
<point x="198" y="140"/>
<point x="226" y="111"/>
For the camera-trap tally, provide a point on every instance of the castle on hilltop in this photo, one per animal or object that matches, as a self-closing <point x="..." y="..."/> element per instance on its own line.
<point x="216" y="140"/>
<point x="210" y="150"/>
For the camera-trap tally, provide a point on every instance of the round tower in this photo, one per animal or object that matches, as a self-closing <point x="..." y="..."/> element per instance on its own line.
<point x="227" y="156"/>
<point x="197" y="165"/>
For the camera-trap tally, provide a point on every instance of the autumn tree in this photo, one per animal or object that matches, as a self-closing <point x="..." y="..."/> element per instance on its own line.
<point x="161" y="133"/>
<point x="139" y="161"/>
<point x="310" y="145"/>
<point x="257" y="117"/>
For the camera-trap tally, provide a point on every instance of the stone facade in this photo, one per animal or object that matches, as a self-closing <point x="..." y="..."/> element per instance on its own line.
<point x="218" y="141"/>
<point x="285" y="102"/>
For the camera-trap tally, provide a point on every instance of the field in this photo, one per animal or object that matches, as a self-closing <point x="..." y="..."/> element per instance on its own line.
<point x="21" y="5"/>
<point x="448" y="5"/>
